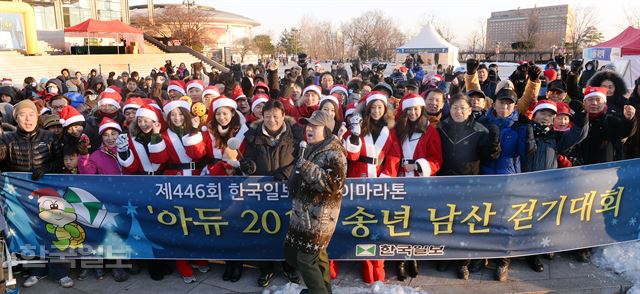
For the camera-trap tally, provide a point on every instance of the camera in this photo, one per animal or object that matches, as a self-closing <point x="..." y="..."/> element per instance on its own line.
<point x="302" y="60"/>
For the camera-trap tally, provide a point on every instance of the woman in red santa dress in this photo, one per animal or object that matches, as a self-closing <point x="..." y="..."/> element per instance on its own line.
<point x="167" y="147"/>
<point x="373" y="151"/>
<point x="225" y="122"/>
<point x="135" y="159"/>
<point x="421" y="154"/>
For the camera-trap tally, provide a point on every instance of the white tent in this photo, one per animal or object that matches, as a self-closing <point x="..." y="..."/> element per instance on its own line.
<point x="431" y="46"/>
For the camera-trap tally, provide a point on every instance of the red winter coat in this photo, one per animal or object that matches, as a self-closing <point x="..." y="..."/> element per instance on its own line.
<point x="171" y="150"/>
<point x="205" y="142"/>
<point x="425" y="150"/>
<point x="138" y="161"/>
<point x="386" y="150"/>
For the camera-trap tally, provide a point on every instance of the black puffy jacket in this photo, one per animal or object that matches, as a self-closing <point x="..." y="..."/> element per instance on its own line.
<point x="464" y="145"/>
<point x="272" y="158"/>
<point x="26" y="152"/>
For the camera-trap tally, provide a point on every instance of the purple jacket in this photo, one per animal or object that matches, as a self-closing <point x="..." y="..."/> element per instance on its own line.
<point x="100" y="162"/>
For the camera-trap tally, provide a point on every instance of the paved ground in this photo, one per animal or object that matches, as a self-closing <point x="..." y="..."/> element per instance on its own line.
<point x="561" y="274"/>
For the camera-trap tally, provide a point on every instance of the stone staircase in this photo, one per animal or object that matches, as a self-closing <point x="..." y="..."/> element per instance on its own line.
<point x="16" y="66"/>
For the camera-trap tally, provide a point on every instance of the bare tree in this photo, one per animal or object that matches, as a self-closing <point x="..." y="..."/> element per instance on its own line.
<point x="373" y="34"/>
<point x="187" y="24"/>
<point x="477" y="39"/>
<point x="582" y="27"/>
<point x="441" y="27"/>
<point x="632" y="15"/>
<point x="243" y="46"/>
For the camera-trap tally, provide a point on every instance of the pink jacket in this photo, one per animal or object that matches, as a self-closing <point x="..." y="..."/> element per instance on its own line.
<point x="100" y="162"/>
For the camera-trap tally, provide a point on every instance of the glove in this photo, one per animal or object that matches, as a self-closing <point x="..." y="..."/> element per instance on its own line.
<point x="82" y="148"/>
<point x="37" y="174"/>
<point x="576" y="106"/>
<point x="448" y="74"/>
<point x="534" y="73"/>
<point x="122" y="142"/>
<point x="300" y="162"/>
<point x="247" y="166"/>
<point x="354" y="124"/>
<point x="576" y="65"/>
<point x="279" y="177"/>
<point x="560" y="60"/>
<point x="472" y="66"/>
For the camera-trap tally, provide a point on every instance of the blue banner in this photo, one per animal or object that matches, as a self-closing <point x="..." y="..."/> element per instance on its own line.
<point x="246" y="218"/>
<point x="597" y="54"/>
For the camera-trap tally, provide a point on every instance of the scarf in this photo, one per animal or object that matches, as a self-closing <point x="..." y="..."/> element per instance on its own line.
<point x="594" y="116"/>
<point x="223" y="130"/>
<point x="541" y="130"/>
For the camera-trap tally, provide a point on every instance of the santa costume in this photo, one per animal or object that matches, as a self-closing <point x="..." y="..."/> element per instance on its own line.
<point x="371" y="157"/>
<point x="205" y="142"/>
<point x="137" y="160"/>
<point x="424" y="149"/>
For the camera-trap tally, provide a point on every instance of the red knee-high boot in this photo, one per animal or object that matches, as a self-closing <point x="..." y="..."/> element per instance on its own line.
<point x="378" y="270"/>
<point x="333" y="269"/>
<point x="367" y="271"/>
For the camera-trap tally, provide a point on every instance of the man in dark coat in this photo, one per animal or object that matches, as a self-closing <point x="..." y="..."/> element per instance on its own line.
<point x="315" y="189"/>
<point x="271" y="146"/>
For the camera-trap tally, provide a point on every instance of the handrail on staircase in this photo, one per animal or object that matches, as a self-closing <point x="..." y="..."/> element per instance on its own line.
<point x="184" y="49"/>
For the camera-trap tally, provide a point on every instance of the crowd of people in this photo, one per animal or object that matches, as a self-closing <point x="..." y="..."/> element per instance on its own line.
<point x="417" y="122"/>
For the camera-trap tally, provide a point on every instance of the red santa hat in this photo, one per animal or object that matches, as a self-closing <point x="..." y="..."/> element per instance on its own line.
<point x="411" y="100"/>
<point x="373" y="96"/>
<point x="177" y="86"/>
<point x="331" y="98"/>
<point x="312" y="88"/>
<point x="149" y="112"/>
<point x="595" y="92"/>
<point x="351" y="109"/>
<point x="110" y="98"/>
<point x="44" y="192"/>
<point x="262" y="85"/>
<point x="551" y="74"/>
<point x="108" y="123"/>
<point x="69" y="115"/>
<point x="257" y="99"/>
<point x="132" y="103"/>
<point x="211" y="90"/>
<point x="221" y="101"/>
<point x="545" y="104"/>
<point x="113" y="89"/>
<point x="563" y="108"/>
<point x="195" y="84"/>
<point x="7" y="82"/>
<point x="339" y="88"/>
<point x="173" y="105"/>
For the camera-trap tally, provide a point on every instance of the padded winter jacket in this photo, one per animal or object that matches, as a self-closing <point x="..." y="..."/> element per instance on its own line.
<point x="516" y="141"/>
<point x="26" y="152"/>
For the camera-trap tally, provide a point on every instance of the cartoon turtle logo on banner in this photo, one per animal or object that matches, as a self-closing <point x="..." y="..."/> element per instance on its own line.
<point x="64" y="215"/>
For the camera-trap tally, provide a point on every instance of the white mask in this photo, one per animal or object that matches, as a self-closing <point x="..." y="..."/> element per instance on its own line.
<point x="53" y="90"/>
<point x="34" y="84"/>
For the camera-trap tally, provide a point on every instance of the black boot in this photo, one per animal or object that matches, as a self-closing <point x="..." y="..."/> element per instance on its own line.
<point x="401" y="271"/>
<point x="228" y="269"/>
<point x="442" y="266"/>
<point x="535" y="263"/>
<point x="290" y="273"/>
<point x="412" y="268"/>
<point x="584" y="255"/>
<point x="463" y="272"/>
<point x="156" y="272"/>
<point x="236" y="272"/>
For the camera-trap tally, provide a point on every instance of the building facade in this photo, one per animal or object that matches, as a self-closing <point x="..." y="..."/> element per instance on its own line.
<point x="545" y="27"/>
<point x="52" y="15"/>
<point x="220" y="32"/>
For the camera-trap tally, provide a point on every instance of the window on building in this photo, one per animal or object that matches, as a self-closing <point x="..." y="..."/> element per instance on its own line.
<point x="75" y="11"/>
<point x="109" y="9"/>
<point x="44" y="14"/>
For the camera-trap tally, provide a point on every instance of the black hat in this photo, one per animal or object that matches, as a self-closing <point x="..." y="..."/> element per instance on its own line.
<point x="507" y="94"/>
<point x="557" y="85"/>
<point x="383" y="85"/>
<point x="413" y="83"/>
<point x="478" y="93"/>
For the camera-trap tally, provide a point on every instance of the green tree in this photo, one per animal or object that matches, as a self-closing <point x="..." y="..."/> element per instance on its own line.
<point x="291" y="41"/>
<point x="264" y="45"/>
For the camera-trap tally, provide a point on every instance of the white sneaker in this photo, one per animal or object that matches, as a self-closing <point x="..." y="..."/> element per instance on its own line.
<point x="66" y="282"/>
<point x="32" y="280"/>
<point x="203" y="268"/>
<point x="189" y="280"/>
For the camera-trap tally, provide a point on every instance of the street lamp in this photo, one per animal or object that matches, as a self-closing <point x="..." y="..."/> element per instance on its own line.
<point x="189" y="3"/>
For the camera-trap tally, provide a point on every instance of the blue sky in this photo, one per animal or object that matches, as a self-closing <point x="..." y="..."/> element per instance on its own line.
<point x="461" y="16"/>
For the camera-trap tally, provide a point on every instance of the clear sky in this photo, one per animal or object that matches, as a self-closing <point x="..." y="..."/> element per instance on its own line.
<point x="461" y="16"/>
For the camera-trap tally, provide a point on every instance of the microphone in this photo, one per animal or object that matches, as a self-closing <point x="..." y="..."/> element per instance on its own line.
<point x="303" y="148"/>
<point x="234" y="144"/>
